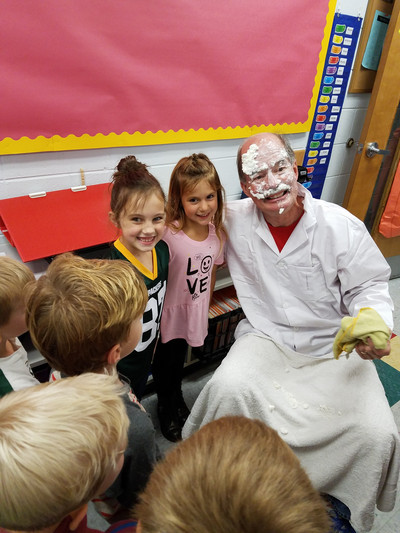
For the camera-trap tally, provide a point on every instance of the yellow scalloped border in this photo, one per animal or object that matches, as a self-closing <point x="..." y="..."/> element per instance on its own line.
<point x="71" y="142"/>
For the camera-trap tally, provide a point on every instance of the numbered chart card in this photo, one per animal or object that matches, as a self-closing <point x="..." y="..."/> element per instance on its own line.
<point x="336" y="73"/>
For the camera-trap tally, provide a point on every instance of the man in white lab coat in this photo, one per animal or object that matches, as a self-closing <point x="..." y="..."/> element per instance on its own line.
<point x="299" y="265"/>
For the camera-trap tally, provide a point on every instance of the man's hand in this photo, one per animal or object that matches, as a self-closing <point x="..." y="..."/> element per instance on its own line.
<point x="368" y="351"/>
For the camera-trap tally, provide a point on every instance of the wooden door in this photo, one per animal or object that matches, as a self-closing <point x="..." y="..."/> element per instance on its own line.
<point x="371" y="177"/>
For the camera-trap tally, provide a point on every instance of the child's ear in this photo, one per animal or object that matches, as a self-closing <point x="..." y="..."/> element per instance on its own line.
<point x="113" y="218"/>
<point x="77" y="516"/>
<point x="114" y="355"/>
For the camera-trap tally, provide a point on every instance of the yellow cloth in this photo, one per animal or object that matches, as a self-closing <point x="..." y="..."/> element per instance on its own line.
<point x="368" y="323"/>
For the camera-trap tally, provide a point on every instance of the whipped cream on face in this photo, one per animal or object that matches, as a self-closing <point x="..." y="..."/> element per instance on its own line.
<point x="250" y="164"/>
<point x="262" y="192"/>
<point x="271" y="176"/>
<point x="254" y="160"/>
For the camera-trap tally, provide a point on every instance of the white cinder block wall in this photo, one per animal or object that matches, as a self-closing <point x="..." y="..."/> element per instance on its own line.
<point x="28" y="173"/>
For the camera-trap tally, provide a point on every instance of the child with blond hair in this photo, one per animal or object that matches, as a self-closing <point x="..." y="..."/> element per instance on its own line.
<point x="234" y="475"/>
<point x="61" y="444"/>
<point x="15" y="371"/>
<point x="85" y="316"/>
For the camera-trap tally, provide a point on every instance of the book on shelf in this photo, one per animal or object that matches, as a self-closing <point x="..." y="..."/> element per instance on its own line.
<point x="223" y="301"/>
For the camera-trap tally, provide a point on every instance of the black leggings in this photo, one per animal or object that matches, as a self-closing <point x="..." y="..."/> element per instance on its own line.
<point x="167" y="368"/>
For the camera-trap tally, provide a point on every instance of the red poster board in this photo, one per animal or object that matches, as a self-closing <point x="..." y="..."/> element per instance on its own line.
<point x="103" y="73"/>
<point x="57" y="222"/>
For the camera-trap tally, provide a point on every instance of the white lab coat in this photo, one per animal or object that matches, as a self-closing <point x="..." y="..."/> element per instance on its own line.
<point x="329" y="268"/>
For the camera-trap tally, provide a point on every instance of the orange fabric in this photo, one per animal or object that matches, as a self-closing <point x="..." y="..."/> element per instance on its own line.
<point x="389" y="226"/>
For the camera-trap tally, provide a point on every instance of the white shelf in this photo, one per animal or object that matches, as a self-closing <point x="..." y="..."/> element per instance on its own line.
<point x="223" y="279"/>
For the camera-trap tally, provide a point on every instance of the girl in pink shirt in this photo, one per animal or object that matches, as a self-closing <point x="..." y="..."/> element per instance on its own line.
<point x="195" y="236"/>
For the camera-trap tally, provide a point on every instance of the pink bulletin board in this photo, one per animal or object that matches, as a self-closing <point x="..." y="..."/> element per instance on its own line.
<point x="104" y="73"/>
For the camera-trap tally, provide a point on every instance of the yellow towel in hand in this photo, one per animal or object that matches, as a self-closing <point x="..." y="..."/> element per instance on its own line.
<point x="368" y="323"/>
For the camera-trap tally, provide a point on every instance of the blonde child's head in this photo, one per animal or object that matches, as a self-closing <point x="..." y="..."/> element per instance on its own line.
<point x="81" y="309"/>
<point x="186" y="175"/>
<point x="234" y="475"/>
<point x="132" y="185"/>
<point x="61" y="443"/>
<point x="14" y="277"/>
